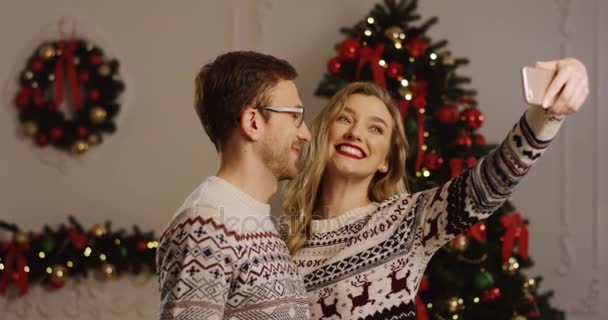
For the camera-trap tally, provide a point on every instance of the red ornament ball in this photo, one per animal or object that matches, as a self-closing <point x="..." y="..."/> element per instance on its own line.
<point x="84" y="76"/>
<point x="37" y="65"/>
<point x="394" y="70"/>
<point x="82" y="132"/>
<point x="432" y="161"/>
<point x="447" y="114"/>
<point x="94" y="94"/>
<point x="23" y="98"/>
<point x="349" y="49"/>
<point x="479" y="139"/>
<point x="462" y="140"/>
<point x="41" y="139"/>
<point x="416" y="47"/>
<point x="56" y="134"/>
<point x="472" y="118"/>
<point x="470" y="161"/>
<point x="334" y="65"/>
<point x="96" y="60"/>
<point x="490" y="294"/>
<point x="142" y="245"/>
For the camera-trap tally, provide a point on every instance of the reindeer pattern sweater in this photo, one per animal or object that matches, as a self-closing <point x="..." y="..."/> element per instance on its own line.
<point x="368" y="262"/>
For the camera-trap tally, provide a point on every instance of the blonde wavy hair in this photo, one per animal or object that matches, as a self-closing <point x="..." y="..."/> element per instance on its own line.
<point x="302" y="193"/>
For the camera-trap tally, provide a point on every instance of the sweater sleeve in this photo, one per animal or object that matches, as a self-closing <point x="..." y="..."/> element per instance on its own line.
<point x="194" y="271"/>
<point x="452" y="208"/>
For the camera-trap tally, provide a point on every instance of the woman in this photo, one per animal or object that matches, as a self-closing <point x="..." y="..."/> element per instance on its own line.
<point x="360" y="241"/>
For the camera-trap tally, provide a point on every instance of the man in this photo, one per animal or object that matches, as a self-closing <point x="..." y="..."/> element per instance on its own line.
<point x="220" y="257"/>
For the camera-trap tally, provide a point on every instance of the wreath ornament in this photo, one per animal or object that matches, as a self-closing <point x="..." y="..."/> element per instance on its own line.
<point x="68" y="94"/>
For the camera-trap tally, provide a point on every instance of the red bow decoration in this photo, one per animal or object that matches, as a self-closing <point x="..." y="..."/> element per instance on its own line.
<point x="373" y="57"/>
<point x="66" y="60"/>
<point x="421" y="313"/>
<point x="14" y="267"/>
<point x="515" y="228"/>
<point x="478" y="232"/>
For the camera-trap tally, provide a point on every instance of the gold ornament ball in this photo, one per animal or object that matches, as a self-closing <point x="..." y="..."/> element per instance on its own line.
<point x="393" y="33"/>
<point x="511" y="266"/>
<point x="28" y="75"/>
<point x="454" y="304"/>
<point x="460" y="244"/>
<point x="104" y="70"/>
<point x="59" y="272"/>
<point x="80" y="147"/>
<point x="98" y="230"/>
<point x="108" y="271"/>
<point x="21" y="237"/>
<point x="29" y="128"/>
<point x="530" y="285"/>
<point x="98" y="115"/>
<point x="94" y="139"/>
<point x="47" y="52"/>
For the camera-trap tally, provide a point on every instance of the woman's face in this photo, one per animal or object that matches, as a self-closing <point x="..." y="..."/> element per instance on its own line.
<point x="359" y="138"/>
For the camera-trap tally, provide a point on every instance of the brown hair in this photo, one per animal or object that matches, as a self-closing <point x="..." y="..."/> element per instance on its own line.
<point x="235" y="80"/>
<point x="302" y="194"/>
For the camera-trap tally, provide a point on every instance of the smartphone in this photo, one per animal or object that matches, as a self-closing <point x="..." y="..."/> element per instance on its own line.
<point x="536" y="82"/>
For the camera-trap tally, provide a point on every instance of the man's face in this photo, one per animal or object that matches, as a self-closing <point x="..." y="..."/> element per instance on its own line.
<point x="282" y="144"/>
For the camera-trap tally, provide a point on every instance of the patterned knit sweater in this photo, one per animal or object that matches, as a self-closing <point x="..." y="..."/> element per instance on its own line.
<point x="368" y="262"/>
<point x="221" y="257"/>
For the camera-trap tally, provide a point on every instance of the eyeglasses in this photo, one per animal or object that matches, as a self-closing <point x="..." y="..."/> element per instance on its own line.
<point x="297" y="111"/>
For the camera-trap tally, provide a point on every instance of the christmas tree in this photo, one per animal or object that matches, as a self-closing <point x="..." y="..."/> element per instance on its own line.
<point x="479" y="275"/>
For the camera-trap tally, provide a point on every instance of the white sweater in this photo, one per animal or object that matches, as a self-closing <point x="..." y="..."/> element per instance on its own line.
<point x="221" y="257"/>
<point x="368" y="262"/>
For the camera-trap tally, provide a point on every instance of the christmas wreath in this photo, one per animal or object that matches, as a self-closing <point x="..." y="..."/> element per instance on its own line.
<point x="77" y="73"/>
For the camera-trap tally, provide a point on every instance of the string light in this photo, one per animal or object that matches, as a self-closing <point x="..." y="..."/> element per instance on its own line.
<point x="87" y="252"/>
<point x="382" y="63"/>
<point x="405" y="83"/>
<point x="41" y="255"/>
<point x="426" y="173"/>
<point x="370" y="20"/>
<point x="49" y="270"/>
<point x="70" y="264"/>
<point x="476" y="300"/>
<point x="426" y="134"/>
<point x="367" y="32"/>
<point x="102" y="257"/>
<point x="412" y="59"/>
<point x="408" y="97"/>
<point x="26" y="269"/>
<point x="429" y="305"/>
<point x="1" y="266"/>
<point x="398" y="45"/>
<point x="433" y="56"/>
<point x="117" y="241"/>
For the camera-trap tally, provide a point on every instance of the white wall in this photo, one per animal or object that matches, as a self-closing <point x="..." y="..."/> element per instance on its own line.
<point x="159" y="153"/>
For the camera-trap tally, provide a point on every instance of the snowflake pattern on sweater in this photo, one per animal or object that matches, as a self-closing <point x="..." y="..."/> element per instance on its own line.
<point x="368" y="263"/>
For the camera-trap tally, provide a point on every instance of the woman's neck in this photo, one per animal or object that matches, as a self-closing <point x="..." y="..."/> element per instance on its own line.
<point x="339" y="195"/>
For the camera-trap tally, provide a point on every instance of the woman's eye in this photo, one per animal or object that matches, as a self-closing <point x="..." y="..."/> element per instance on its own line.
<point x="343" y="118"/>
<point x="377" y="129"/>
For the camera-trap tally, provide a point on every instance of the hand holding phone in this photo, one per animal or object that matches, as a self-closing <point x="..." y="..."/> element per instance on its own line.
<point x="536" y="81"/>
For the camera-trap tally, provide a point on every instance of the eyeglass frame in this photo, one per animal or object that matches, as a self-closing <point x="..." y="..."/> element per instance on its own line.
<point x="281" y="109"/>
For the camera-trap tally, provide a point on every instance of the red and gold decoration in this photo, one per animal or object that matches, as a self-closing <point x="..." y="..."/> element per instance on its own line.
<point x="68" y="95"/>
<point x="53" y="256"/>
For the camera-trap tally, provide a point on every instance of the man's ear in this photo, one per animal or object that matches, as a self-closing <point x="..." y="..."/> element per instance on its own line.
<point x="251" y="124"/>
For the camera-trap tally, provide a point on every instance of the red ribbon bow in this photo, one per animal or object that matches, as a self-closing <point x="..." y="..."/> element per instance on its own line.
<point x="66" y="60"/>
<point x="515" y="228"/>
<point x="14" y="267"/>
<point x="373" y="57"/>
